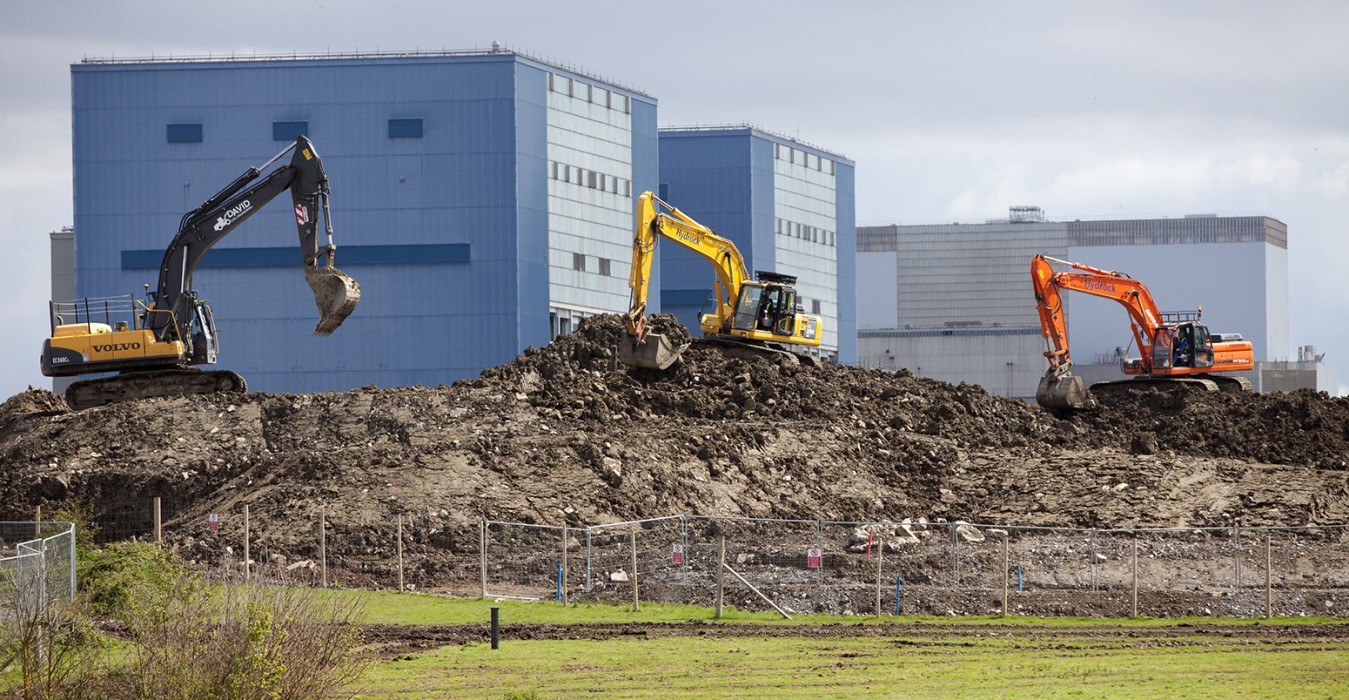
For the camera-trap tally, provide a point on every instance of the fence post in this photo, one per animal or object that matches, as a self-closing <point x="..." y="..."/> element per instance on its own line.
<point x="955" y="561"/>
<point x="1006" y="570"/>
<point x="636" y="599"/>
<point x="400" y="553"/>
<point x="482" y="554"/>
<point x="1236" y="557"/>
<point x="159" y="532"/>
<point x="248" y="561"/>
<point x="819" y="544"/>
<point x="587" y="586"/>
<point x="684" y="540"/>
<point x="1135" y="585"/>
<point x="880" y="554"/>
<point x="563" y="584"/>
<point x="37" y="524"/>
<point x="721" y="569"/>
<point x="1269" y="599"/>
<point x="323" y="546"/>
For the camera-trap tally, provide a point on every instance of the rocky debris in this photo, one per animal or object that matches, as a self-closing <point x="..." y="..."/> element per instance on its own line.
<point x="565" y="433"/>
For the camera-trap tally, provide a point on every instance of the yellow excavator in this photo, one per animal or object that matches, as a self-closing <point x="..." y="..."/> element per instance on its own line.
<point x="759" y="313"/>
<point x="154" y="344"/>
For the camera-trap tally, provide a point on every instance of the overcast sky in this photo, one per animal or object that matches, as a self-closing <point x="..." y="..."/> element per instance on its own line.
<point x="952" y="110"/>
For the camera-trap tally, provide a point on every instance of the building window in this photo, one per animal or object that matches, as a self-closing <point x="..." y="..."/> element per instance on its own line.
<point x="604" y="267"/>
<point x="405" y="128"/>
<point x="590" y="180"/>
<point x="185" y="133"/>
<point x="289" y="131"/>
<point x="627" y="188"/>
<point x="578" y="261"/>
<point x="815" y="306"/>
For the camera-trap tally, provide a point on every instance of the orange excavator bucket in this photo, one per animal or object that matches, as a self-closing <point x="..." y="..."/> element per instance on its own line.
<point x="1064" y="392"/>
<point x="335" y="294"/>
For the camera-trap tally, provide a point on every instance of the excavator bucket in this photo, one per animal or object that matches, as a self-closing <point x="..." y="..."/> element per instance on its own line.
<point x="654" y="352"/>
<point x="1063" y="391"/>
<point x="1066" y="392"/>
<point x="335" y="294"/>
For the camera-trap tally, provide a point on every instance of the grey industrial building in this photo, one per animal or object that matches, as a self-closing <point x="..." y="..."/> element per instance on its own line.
<point x="954" y="301"/>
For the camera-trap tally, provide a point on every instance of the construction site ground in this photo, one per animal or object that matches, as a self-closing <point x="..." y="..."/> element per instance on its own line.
<point x="566" y="434"/>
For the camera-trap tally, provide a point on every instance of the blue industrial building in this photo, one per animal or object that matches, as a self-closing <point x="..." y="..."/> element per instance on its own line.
<point x="788" y="206"/>
<point x="483" y="200"/>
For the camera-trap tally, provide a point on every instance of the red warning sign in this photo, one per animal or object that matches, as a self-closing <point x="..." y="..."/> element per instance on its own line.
<point x="814" y="557"/>
<point x="677" y="554"/>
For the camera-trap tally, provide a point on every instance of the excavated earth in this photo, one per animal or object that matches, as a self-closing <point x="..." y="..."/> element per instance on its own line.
<point x="567" y="434"/>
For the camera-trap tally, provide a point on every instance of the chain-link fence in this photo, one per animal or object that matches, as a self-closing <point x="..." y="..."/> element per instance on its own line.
<point x="37" y="566"/>
<point x="910" y="567"/>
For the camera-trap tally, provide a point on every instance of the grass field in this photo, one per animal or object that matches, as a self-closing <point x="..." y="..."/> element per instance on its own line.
<point x="765" y="657"/>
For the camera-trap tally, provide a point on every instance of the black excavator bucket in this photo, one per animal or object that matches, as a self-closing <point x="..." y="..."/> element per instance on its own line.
<point x="1065" y="392"/>
<point x="335" y="294"/>
<point x="654" y="352"/>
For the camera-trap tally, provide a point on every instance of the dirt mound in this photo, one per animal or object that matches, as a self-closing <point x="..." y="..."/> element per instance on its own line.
<point x="565" y="433"/>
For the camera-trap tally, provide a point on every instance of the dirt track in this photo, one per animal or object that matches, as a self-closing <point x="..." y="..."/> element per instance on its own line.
<point x="396" y="640"/>
<point x="565" y="433"/>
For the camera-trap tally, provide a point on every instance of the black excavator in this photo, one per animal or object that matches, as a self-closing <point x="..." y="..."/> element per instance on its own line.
<point x="155" y="344"/>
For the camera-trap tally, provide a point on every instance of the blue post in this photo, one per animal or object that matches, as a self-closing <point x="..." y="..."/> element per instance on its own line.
<point x="898" y="596"/>
<point x="559" y="583"/>
<point x="1018" y="579"/>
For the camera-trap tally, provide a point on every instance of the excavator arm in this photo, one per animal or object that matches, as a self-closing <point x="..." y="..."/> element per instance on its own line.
<point x="656" y="218"/>
<point x="335" y="294"/>
<point x="1133" y="295"/>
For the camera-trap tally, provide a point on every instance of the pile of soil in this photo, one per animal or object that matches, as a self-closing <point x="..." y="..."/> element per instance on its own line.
<point x="565" y="433"/>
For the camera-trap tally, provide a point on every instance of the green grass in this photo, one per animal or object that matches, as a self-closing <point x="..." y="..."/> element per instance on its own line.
<point x="777" y="667"/>
<point x="949" y="663"/>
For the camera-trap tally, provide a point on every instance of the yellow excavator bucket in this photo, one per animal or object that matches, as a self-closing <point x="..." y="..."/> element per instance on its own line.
<point x="654" y="352"/>
<point x="335" y="294"/>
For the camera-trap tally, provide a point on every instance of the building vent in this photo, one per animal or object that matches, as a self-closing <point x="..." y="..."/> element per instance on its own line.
<point x="1026" y="215"/>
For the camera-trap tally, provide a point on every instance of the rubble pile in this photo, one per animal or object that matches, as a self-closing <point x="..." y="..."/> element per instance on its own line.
<point x="566" y="433"/>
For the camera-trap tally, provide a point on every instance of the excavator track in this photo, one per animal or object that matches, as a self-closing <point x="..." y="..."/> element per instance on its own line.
<point x="756" y="348"/>
<point x="131" y="386"/>
<point x="1202" y="383"/>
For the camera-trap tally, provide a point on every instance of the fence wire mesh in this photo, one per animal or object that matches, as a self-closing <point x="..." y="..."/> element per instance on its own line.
<point x="37" y="566"/>
<point x="910" y="567"/>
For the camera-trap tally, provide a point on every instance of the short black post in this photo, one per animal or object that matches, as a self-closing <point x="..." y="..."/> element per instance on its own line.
<point x="496" y="629"/>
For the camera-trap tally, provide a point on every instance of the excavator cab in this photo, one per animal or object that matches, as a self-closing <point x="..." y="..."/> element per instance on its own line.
<point x="202" y="335"/>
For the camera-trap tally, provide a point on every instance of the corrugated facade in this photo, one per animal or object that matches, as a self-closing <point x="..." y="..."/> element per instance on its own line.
<point x="789" y="208"/>
<point x="447" y="206"/>
<point x="958" y="286"/>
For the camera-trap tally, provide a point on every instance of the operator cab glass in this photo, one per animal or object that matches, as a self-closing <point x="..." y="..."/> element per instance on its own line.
<point x="747" y="307"/>
<point x="205" y="344"/>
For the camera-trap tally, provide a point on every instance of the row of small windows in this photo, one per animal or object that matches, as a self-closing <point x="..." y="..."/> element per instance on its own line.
<point x="604" y="266"/>
<point x="799" y="157"/>
<point x="289" y="131"/>
<point x="589" y="178"/>
<point x="814" y="234"/>
<point x="586" y="92"/>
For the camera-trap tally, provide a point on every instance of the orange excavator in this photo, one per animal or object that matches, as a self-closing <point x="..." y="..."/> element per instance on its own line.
<point x="1175" y="348"/>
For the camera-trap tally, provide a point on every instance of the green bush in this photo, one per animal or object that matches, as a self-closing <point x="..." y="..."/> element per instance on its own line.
<point x="121" y="574"/>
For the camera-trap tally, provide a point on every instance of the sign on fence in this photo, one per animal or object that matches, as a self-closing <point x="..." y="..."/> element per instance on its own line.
<point x="213" y="522"/>
<point x="677" y="554"/>
<point x="814" y="557"/>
